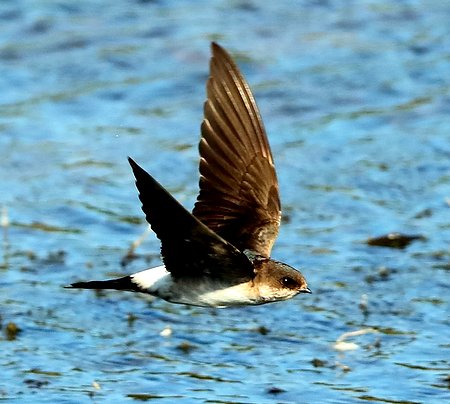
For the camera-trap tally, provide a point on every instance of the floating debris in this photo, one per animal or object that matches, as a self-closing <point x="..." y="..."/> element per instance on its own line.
<point x="394" y="240"/>
<point x="343" y="367"/>
<point x="166" y="332"/>
<point x="263" y="330"/>
<point x="11" y="331"/>
<point x="342" y="345"/>
<point x="345" y="346"/>
<point x="186" y="347"/>
<point x="318" y="363"/>
<point x="275" y="390"/>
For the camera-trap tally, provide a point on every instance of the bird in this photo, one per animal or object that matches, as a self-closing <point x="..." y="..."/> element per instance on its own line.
<point x="218" y="255"/>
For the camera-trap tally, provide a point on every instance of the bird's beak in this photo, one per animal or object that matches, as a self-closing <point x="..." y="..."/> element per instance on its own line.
<point x="305" y="290"/>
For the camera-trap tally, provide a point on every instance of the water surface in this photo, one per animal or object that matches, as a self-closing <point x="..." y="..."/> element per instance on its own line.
<point x="356" y="101"/>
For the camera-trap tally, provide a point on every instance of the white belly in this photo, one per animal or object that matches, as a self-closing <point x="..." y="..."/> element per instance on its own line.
<point x="158" y="282"/>
<point x="236" y="295"/>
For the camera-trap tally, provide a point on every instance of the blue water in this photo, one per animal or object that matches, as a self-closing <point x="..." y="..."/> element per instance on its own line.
<point x="355" y="96"/>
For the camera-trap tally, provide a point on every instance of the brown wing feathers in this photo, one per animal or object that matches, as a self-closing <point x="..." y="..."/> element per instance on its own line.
<point x="238" y="186"/>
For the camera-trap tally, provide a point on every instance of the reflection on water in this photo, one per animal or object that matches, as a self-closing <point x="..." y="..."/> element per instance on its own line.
<point x="355" y="98"/>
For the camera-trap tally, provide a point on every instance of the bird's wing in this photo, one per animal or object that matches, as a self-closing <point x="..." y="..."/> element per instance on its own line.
<point x="238" y="196"/>
<point x="188" y="247"/>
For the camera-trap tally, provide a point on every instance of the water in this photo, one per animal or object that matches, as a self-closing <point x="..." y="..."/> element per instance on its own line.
<point x="356" y="101"/>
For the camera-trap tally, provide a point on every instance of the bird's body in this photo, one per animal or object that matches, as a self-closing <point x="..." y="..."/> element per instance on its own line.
<point x="205" y="292"/>
<point x="218" y="255"/>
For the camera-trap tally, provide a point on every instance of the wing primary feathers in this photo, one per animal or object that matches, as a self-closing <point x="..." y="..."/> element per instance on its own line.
<point x="236" y="163"/>
<point x="188" y="247"/>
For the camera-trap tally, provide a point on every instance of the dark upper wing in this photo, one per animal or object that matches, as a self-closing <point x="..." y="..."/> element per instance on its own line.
<point x="188" y="247"/>
<point x="238" y="197"/>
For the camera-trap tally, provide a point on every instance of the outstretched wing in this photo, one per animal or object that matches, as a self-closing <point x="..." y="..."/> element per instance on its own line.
<point x="238" y="197"/>
<point x="188" y="247"/>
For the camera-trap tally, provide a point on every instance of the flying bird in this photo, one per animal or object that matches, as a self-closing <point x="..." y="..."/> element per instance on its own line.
<point x="218" y="255"/>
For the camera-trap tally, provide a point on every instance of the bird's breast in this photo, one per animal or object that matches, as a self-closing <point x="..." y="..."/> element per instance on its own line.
<point x="213" y="294"/>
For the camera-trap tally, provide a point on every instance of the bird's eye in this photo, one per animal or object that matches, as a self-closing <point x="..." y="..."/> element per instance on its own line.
<point x="288" y="282"/>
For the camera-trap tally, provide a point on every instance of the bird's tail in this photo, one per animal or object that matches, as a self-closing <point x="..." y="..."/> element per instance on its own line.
<point x="125" y="283"/>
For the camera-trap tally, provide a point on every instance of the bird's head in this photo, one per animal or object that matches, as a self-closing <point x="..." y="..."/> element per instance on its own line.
<point x="278" y="281"/>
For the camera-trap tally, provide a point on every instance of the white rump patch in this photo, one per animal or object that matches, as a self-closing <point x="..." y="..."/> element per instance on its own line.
<point x="153" y="279"/>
